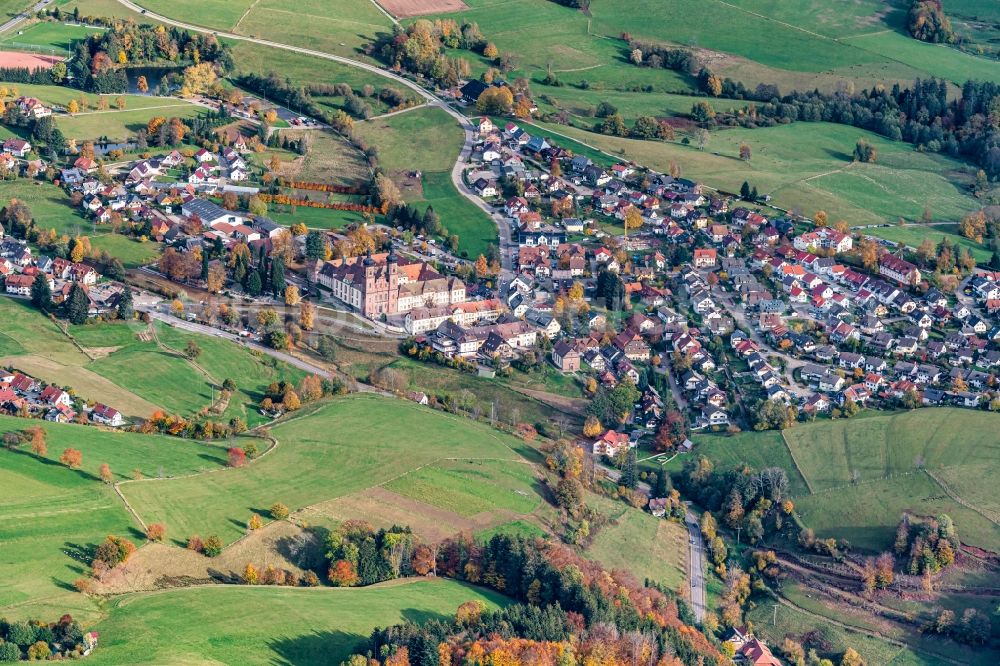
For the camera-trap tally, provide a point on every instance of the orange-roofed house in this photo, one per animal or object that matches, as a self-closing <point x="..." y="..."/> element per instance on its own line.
<point x="611" y="443"/>
<point x="705" y="257"/>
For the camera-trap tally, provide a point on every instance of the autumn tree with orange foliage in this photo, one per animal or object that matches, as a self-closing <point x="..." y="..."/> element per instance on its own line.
<point x="72" y="458"/>
<point x="37" y="436"/>
<point x="342" y="574"/>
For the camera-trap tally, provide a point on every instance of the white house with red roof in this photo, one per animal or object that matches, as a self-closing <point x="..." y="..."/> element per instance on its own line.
<point x="611" y="442"/>
<point x="17" y="147"/>
<point x="107" y="416"/>
<point x="53" y="395"/>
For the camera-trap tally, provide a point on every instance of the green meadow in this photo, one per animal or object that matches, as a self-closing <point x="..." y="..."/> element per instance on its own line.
<point x="338" y="27"/>
<point x="304" y="626"/>
<point x="339" y="448"/>
<point x="956" y="450"/>
<point x="107" y="371"/>
<point x="51" y="516"/>
<point x="430" y="141"/>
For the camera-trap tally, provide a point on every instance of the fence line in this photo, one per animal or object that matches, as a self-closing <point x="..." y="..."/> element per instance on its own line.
<point x="49" y="50"/>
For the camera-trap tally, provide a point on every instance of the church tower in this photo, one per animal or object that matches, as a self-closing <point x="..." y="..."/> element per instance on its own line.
<point x="392" y="269"/>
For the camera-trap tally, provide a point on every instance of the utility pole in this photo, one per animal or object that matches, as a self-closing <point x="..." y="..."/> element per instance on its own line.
<point x="738" y="534"/>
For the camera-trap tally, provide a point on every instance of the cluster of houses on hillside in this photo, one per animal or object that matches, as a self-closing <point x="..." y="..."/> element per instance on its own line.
<point x="23" y="395"/>
<point x="152" y="189"/>
<point x="807" y="325"/>
<point x="19" y="268"/>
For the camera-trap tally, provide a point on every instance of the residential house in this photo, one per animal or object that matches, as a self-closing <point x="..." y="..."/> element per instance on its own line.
<point x="565" y="357"/>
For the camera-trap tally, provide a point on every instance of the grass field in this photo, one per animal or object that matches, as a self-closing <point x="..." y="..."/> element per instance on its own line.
<point x="56" y="38"/>
<point x="61" y="95"/>
<point x="222" y="360"/>
<point x="794" y="622"/>
<point x="120" y="125"/>
<point x="820" y="43"/>
<point x="346" y="446"/>
<point x="648" y="547"/>
<point x="759" y="450"/>
<point x="305" y="626"/>
<point x="105" y="8"/>
<point x="913" y="235"/>
<point x="337" y="27"/>
<point x="304" y="69"/>
<point x="808" y="167"/>
<point x="426" y="377"/>
<point x="314" y="218"/>
<point x="168" y="380"/>
<point x="50" y="514"/>
<point x="330" y="159"/>
<point x="958" y="448"/>
<point x="92" y="123"/>
<point x="430" y="141"/>
<point x="11" y="8"/>
<point x="468" y="487"/>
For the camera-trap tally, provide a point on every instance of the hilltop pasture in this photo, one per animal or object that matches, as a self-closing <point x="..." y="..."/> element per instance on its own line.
<point x="808" y="167"/>
<point x="854" y="478"/>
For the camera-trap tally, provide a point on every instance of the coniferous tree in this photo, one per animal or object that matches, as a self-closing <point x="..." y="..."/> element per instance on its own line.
<point x="314" y="245"/>
<point x="630" y="472"/>
<point x="126" y="310"/>
<point x="277" y="276"/>
<point x="77" y="305"/>
<point x="254" y="287"/>
<point x="41" y="293"/>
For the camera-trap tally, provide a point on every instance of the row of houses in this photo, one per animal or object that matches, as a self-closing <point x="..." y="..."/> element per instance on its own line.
<point x="22" y="394"/>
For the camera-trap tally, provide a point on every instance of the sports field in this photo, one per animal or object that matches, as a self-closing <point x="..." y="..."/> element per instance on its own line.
<point x="269" y="625"/>
<point x="45" y="37"/>
<point x="808" y="167"/>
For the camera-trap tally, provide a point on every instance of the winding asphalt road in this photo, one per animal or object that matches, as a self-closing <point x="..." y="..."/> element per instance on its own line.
<point x="696" y="566"/>
<point x="696" y="559"/>
<point x="13" y="22"/>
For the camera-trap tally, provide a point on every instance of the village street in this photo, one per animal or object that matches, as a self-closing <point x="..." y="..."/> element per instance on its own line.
<point x="737" y="310"/>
